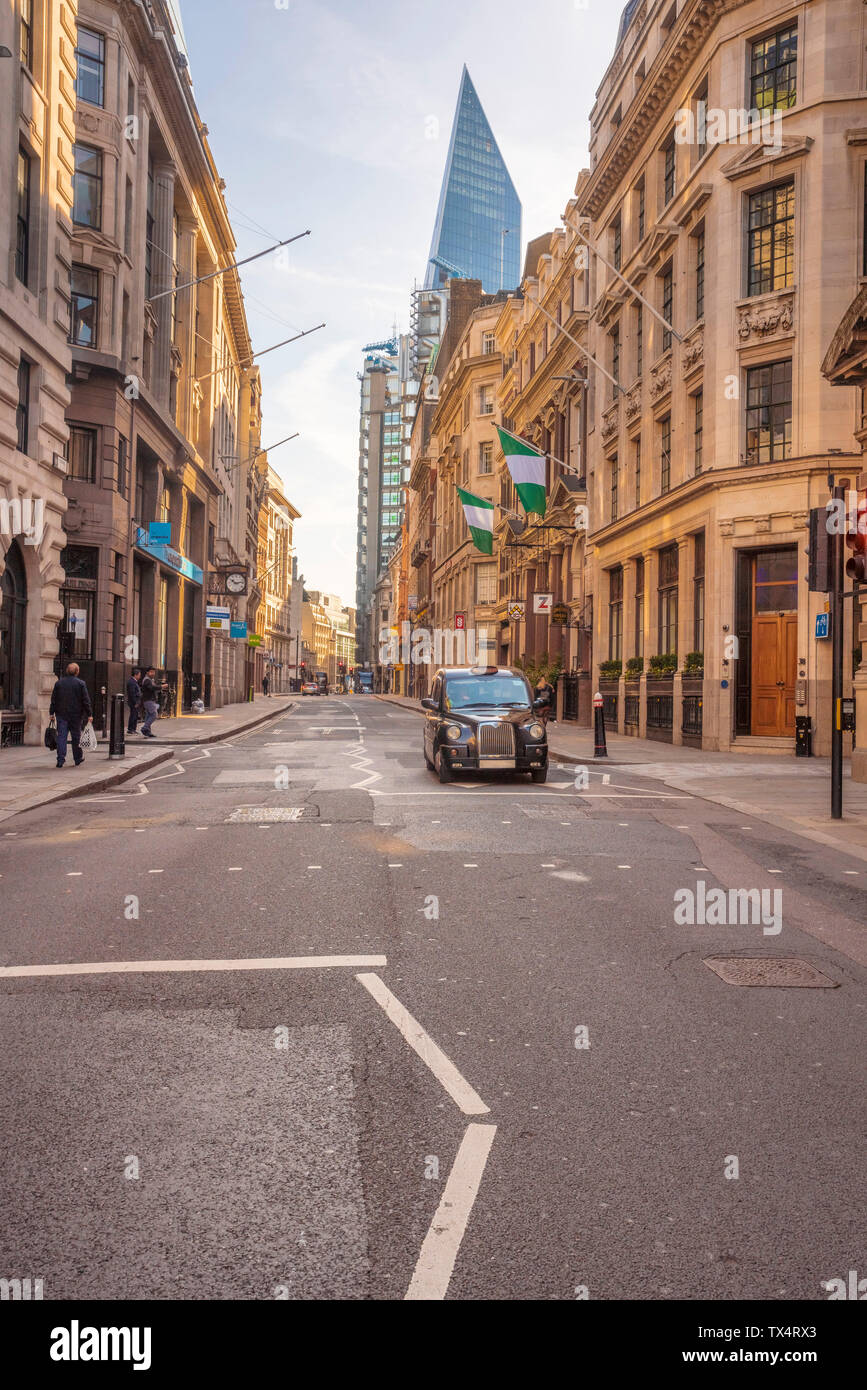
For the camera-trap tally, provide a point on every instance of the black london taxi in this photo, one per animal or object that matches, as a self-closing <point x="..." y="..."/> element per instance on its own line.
<point x="483" y="718"/>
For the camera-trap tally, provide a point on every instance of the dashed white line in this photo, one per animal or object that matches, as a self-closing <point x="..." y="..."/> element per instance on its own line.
<point x="424" y="1047"/>
<point x="135" y="967"/>
<point x="439" y="1251"/>
<point x="77" y="873"/>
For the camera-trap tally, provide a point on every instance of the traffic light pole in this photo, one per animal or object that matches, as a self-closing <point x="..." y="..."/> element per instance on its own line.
<point x="836" y="615"/>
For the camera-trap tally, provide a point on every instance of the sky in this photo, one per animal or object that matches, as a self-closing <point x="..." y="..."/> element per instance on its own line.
<point x="336" y="117"/>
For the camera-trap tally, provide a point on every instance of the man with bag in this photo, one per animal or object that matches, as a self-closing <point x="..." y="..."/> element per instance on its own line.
<point x="149" y="695"/>
<point x="70" y="705"/>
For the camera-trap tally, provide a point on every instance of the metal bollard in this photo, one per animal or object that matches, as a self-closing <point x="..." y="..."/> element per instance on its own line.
<point x="117" y="743"/>
<point x="600" y="749"/>
<point x="102" y="691"/>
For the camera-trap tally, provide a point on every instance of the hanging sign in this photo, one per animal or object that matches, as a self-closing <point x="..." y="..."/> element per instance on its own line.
<point x="542" y="603"/>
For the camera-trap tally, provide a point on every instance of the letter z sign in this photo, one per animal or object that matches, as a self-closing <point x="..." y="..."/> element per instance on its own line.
<point x="542" y="603"/>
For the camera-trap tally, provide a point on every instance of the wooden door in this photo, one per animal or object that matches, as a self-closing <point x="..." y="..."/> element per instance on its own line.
<point x="774" y="664"/>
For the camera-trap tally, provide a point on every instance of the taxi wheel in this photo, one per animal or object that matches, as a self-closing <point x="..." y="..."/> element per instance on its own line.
<point x="442" y="767"/>
<point x="539" y="774"/>
<point x="428" y="763"/>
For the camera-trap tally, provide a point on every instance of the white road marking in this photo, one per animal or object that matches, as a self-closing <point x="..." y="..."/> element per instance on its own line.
<point x="236" y="869"/>
<point x="424" y="1047"/>
<point x="439" y="1251"/>
<point x="156" y="871"/>
<point x="624" y="866"/>
<point x="202" y="827"/>
<point x="774" y="871"/>
<point x="314" y="866"/>
<point x="549" y="866"/>
<point x="147" y="967"/>
<point x="75" y="874"/>
<point x="395" y="866"/>
<point x="852" y="871"/>
<point x="606" y="778"/>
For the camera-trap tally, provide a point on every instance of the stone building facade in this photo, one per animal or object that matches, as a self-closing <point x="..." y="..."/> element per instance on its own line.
<point x="37" y="133"/>
<point x="743" y="236"/>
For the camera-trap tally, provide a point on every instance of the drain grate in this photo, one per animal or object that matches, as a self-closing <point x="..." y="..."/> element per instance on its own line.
<point x="780" y="971"/>
<point x="259" y="814"/>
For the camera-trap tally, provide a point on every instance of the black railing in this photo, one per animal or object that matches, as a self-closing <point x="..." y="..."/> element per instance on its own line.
<point x="631" y="709"/>
<point x="11" y="729"/>
<point x="660" y="711"/>
<point x="570" y="697"/>
<point x="692" y="714"/>
<point x="609" y="709"/>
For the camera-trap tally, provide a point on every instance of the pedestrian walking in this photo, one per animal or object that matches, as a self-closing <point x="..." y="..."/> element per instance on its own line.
<point x="71" y="707"/>
<point x="149" y="698"/>
<point x="545" y="691"/>
<point x="133" y="699"/>
<point x="266" y="684"/>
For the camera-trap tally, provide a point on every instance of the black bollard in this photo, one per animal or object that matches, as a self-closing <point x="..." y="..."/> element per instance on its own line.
<point x="117" y="742"/>
<point x="599" y="747"/>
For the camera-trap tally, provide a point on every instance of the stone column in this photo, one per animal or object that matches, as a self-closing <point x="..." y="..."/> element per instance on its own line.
<point x="685" y="549"/>
<point x="164" y="207"/>
<point x="628" y="610"/>
<point x="186" y="316"/>
<point x="651" y="630"/>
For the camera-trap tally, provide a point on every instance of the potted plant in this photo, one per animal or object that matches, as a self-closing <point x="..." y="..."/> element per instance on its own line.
<point x="610" y="670"/>
<point x="693" y="664"/>
<point x="634" y="668"/>
<point x="665" y="664"/>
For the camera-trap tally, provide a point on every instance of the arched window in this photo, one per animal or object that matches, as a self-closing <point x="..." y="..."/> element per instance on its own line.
<point x="13" y="605"/>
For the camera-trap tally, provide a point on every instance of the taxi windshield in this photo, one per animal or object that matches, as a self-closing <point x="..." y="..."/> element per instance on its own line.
<point x="463" y="691"/>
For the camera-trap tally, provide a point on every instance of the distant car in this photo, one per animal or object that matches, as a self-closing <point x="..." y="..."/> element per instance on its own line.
<point x="484" y="718"/>
<point x="310" y="688"/>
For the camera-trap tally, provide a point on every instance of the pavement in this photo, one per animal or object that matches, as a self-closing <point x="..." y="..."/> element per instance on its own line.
<point x="791" y="793"/>
<point x="290" y="1018"/>
<point x="29" y="776"/>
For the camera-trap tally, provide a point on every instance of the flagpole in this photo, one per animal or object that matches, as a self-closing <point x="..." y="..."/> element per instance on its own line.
<point x="581" y="349"/>
<point x="662" y="319"/>
<point x="570" y="468"/>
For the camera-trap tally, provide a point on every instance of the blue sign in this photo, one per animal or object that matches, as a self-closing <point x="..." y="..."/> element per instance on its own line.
<point x="159" y="533"/>
<point x="168" y="556"/>
<point x="238" y="630"/>
<point x="822" y="624"/>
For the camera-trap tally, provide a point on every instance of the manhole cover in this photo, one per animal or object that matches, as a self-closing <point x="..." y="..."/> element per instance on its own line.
<point x="781" y="971"/>
<point x="273" y="813"/>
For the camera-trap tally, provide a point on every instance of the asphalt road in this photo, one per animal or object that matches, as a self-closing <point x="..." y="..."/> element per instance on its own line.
<point x="564" y="1124"/>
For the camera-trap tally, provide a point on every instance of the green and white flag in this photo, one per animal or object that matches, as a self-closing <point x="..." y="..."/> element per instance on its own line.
<point x="479" y="514"/>
<point x="527" y="467"/>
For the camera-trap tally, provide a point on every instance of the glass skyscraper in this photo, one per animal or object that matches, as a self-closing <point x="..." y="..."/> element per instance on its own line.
<point x="478" y="226"/>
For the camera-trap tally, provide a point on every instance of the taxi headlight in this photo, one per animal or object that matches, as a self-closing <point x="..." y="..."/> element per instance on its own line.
<point x="536" y="730"/>
<point x="453" y="732"/>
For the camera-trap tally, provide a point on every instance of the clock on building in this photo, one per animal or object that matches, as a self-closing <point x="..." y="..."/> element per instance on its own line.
<point x="236" y="583"/>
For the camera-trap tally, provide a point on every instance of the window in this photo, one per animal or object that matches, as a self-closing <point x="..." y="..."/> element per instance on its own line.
<point x="117" y="628"/>
<point x="486" y="400"/>
<point x="90" y="67"/>
<point x="127" y="219"/>
<point x="176" y="270"/>
<point x="639" y="210"/>
<point x="78" y="606"/>
<point x="486" y="457"/>
<point x="615" y="359"/>
<point x="149" y="234"/>
<point x="122" y="464"/>
<point x="613" y="486"/>
<point x="667" y="288"/>
<point x="772" y="70"/>
<point x="87" y="187"/>
<point x="698" y="595"/>
<point x="22" y="413"/>
<point x="130" y="100"/>
<point x="163" y="623"/>
<point x="771" y="238"/>
<point x="639" y="341"/>
<point x="489" y="343"/>
<point x="84" y="306"/>
<point x="636" y="465"/>
<point x="864" y="228"/>
<point x="615" y="614"/>
<point x="81" y="453"/>
<point x="697" y="429"/>
<point x="639" y="606"/>
<point x="699" y="107"/>
<point x="699" y="273"/>
<point x="616" y="241"/>
<point x="22" y="243"/>
<point x="668" y="600"/>
<point x="486" y="582"/>
<point x="665" y="453"/>
<point x="769" y="412"/>
<point x="466" y="414"/>
<point x="26" y="35"/>
<point x="118" y="567"/>
<point x="669" y="162"/>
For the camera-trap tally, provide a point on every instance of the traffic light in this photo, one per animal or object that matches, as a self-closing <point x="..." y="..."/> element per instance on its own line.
<point x="856" y="540"/>
<point x="303" y="667"/>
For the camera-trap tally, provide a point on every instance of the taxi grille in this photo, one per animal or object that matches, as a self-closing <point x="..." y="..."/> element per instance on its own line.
<point x="496" y="741"/>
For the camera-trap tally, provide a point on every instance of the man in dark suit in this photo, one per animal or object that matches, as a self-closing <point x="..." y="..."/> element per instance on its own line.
<point x="133" y="699"/>
<point x="70" y="704"/>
